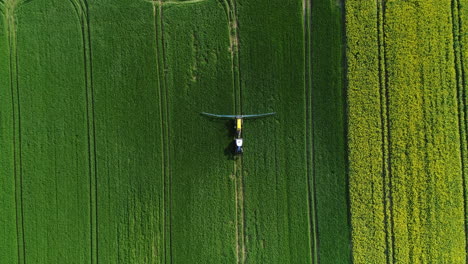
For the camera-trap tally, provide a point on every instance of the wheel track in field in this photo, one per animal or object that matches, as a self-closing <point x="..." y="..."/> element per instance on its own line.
<point x="461" y="96"/>
<point x="165" y="3"/>
<point x="158" y="10"/>
<point x="81" y="10"/>
<point x="230" y="9"/>
<point x="311" y="193"/>
<point x="385" y="128"/>
<point x="165" y="124"/>
<point x="79" y="7"/>
<point x="9" y="9"/>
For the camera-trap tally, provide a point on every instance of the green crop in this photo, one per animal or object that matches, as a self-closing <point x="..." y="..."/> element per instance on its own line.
<point x="8" y="247"/>
<point x="105" y="157"/>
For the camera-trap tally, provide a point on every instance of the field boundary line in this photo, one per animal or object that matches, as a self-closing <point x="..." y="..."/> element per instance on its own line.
<point x="385" y="121"/>
<point x="460" y="89"/>
<point x="345" y="87"/>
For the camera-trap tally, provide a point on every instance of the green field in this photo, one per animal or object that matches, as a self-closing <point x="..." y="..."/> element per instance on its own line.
<point x="105" y="157"/>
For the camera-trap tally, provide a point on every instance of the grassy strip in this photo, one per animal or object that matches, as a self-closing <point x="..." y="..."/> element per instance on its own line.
<point x="8" y="243"/>
<point x="365" y="134"/>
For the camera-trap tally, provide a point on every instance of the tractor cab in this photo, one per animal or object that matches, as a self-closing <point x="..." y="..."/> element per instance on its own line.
<point x="239" y="143"/>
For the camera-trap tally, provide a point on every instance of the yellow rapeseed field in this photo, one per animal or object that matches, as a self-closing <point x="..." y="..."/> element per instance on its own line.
<point x="407" y="130"/>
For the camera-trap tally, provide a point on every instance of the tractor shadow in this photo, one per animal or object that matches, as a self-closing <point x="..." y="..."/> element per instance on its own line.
<point x="231" y="133"/>
<point x="230" y="129"/>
